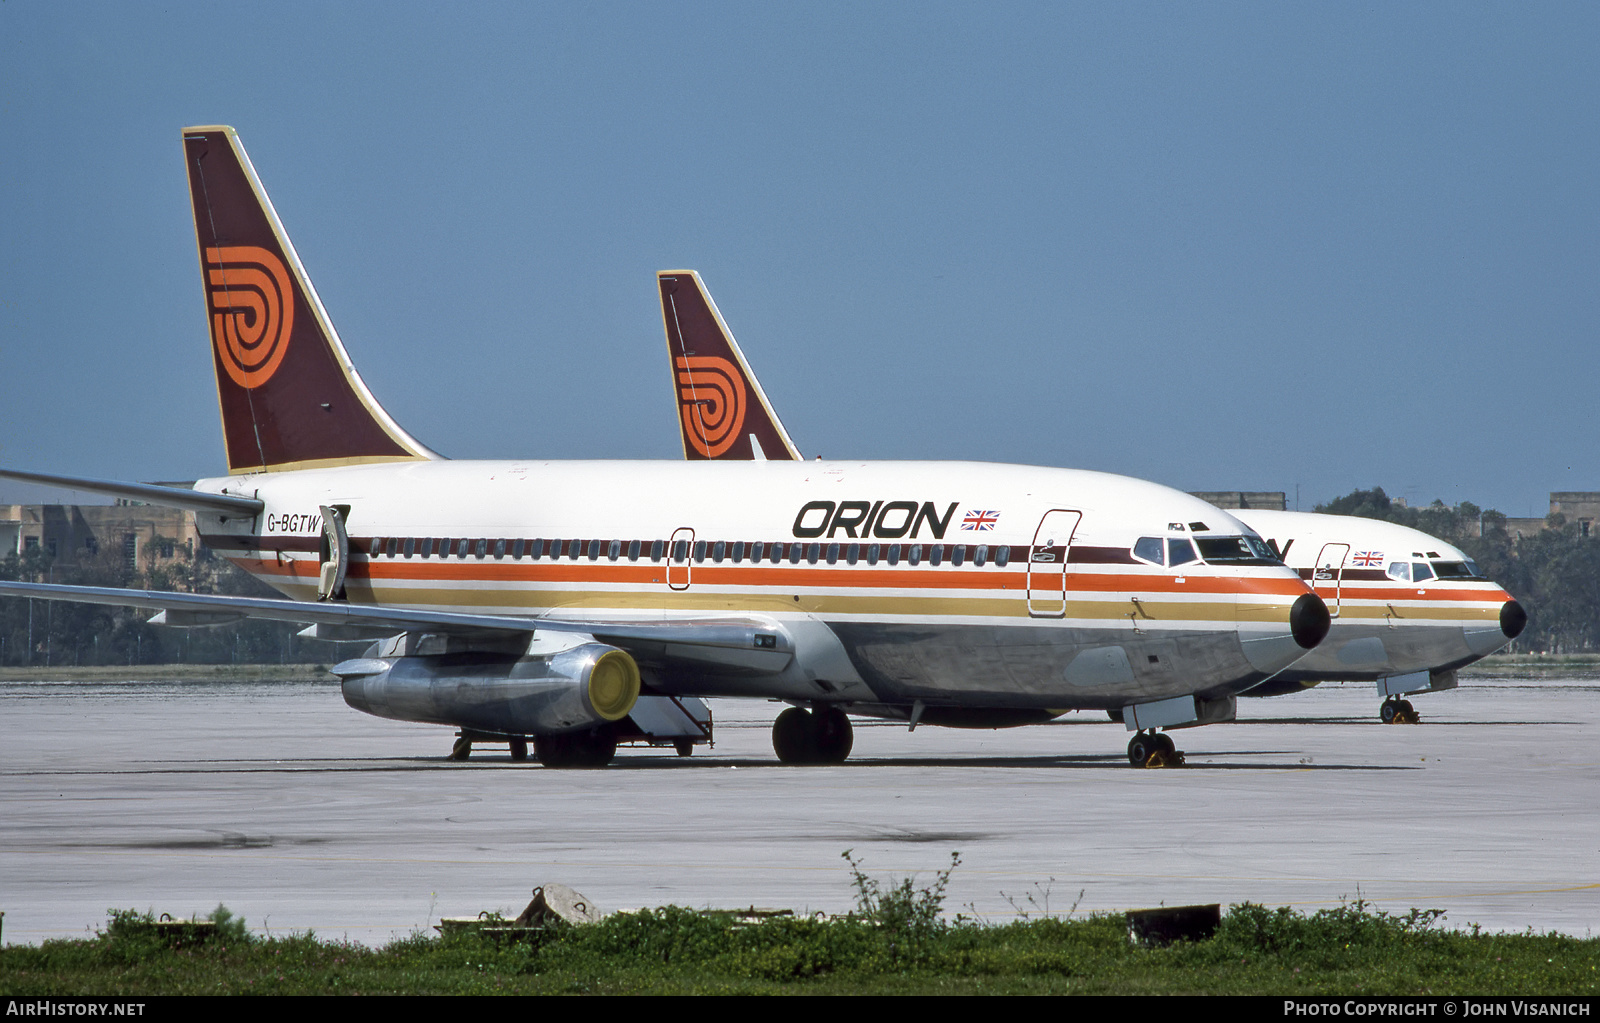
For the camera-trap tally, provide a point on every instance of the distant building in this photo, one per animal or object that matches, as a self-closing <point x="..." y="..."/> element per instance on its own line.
<point x="1580" y="506"/>
<point x="1269" y="500"/>
<point x="143" y="535"/>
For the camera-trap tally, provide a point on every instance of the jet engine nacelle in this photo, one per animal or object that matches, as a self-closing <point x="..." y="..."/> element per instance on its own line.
<point x="563" y="683"/>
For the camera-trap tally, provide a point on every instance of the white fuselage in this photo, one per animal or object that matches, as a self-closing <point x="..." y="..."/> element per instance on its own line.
<point x="1400" y="600"/>
<point x="951" y="583"/>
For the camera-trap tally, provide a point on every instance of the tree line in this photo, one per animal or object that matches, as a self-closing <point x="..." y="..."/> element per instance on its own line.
<point x="1554" y="574"/>
<point x="59" y="633"/>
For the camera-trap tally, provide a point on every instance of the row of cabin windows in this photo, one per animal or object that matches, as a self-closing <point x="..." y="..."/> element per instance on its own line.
<point x="716" y="551"/>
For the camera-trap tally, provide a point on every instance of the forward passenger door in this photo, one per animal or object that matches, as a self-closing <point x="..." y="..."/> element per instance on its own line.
<point x="1047" y="563"/>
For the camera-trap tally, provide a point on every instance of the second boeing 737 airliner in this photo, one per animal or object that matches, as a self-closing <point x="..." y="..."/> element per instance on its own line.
<point x="1408" y="609"/>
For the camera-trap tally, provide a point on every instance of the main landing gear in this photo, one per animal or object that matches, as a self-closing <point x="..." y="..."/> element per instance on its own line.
<point x="822" y="736"/>
<point x="1153" y="749"/>
<point x="575" y="749"/>
<point x="1398" y="712"/>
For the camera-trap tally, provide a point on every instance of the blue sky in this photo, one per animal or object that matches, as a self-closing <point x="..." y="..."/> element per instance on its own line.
<point x="1221" y="246"/>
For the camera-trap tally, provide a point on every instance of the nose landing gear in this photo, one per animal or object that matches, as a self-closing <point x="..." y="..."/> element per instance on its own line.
<point x="1153" y="749"/>
<point x="1398" y="712"/>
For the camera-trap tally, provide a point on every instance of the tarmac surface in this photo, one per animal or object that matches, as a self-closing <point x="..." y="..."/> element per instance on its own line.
<point x="299" y="813"/>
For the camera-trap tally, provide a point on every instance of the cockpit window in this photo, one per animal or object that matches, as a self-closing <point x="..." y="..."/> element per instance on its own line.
<point x="1180" y="552"/>
<point x="1401" y="571"/>
<point x="1236" y="550"/>
<point x="1457" y="570"/>
<point x="1148" y="549"/>
<point x="1420" y="572"/>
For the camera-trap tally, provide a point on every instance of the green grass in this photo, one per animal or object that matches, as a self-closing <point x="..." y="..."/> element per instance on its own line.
<point x="1348" y="950"/>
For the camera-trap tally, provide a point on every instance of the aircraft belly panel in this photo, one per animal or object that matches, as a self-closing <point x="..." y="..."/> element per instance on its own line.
<point x="1356" y="651"/>
<point x="1011" y="666"/>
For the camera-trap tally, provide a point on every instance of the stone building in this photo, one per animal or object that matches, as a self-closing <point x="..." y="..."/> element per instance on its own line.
<point x="145" y="536"/>
<point x="1270" y="500"/>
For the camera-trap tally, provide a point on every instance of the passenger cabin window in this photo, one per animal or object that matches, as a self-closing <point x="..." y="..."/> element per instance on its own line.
<point x="1002" y="555"/>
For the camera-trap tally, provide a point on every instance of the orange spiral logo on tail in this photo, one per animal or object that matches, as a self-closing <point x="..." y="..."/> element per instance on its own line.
<point x="252" y="311"/>
<point x="711" y="398"/>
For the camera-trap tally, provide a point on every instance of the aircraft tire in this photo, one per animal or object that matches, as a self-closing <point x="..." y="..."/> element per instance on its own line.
<point x="461" y="750"/>
<point x="1387" y="711"/>
<point x="519" y="750"/>
<point x="1140" y="748"/>
<point x="792" y="737"/>
<point x="1115" y="714"/>
<point x="831" y="736"/>
<point x="1165" y="744"/>
<point x="581" y="749"/>
<point x="684" y="747"/>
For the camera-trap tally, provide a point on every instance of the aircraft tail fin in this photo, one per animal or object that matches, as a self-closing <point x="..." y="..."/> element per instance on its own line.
<point x="289" y="394"/>
<point x="722" y="411"/>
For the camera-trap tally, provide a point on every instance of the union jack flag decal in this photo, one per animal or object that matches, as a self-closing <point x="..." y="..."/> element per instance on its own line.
<point x="982" y="521"/>
<point x="1367" y="559"/>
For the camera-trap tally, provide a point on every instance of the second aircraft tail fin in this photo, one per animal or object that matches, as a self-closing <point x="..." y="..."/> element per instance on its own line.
<point x="722" y="411"/>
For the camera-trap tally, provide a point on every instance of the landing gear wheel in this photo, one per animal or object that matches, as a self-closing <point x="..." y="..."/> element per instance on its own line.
<point x="831" y="736"/>
<point x="1115" y="714"/>
<point x="803" y="737"/>
<point x="1398" y="712"/>
<point x="461" y="750"/>
<point x="791" y="736"/>
<point x="1153" y="749"/>
<point x="575" y="749"/>
<point x="1140" y="749"/>
<point x="519" y="750"/>
<point x="684" y="747"/>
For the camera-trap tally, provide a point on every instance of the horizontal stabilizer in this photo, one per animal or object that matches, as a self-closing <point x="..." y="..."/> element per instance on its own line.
<point x="226" y="505"/>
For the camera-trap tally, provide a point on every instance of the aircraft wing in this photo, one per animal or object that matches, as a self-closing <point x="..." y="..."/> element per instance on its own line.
<point x="743" y="644"/>
<point x="226" y="505"/>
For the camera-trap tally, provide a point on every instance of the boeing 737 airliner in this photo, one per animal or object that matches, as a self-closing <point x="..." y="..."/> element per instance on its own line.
<point x="1408" y="609"/>
<point x="544" y="600"/>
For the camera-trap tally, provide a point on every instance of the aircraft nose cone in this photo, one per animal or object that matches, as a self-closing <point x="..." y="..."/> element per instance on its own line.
<point x="1513" y="619"/>
<point x="1309" y="620"/>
